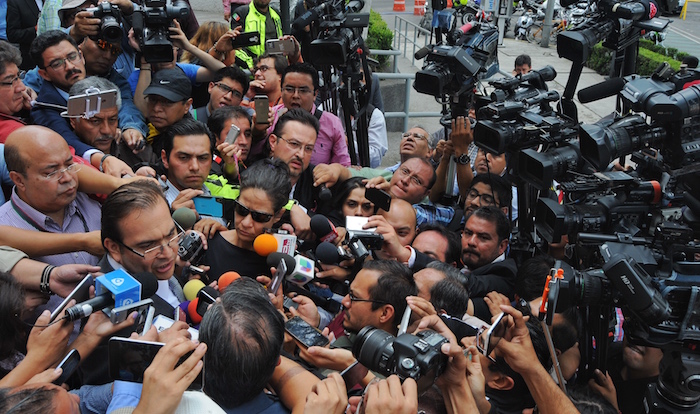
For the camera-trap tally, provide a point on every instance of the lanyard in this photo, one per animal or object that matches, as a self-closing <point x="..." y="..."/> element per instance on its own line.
<point x="37" y="226"/>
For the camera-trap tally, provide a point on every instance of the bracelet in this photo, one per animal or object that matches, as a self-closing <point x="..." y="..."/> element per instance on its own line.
<point x="44" y="283"/>
<point x="102" y="162"/>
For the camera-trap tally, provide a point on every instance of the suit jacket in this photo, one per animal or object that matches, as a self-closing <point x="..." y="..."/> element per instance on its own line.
<point x="22" y="18"/>
<point x="499" y="276"/>
<point x="51" y="118"/>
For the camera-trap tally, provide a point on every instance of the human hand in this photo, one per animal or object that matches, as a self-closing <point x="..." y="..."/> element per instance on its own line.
<point x="163" y="382"/>
<point x="461" y="135"/>
<point x="307" y="310"/>
<point x="99" y="326"/>
<point x="185" y="199"/>
<point x="47" y="376"/>
<point x="63" y="279"/>
<point x="28" y="95"/>
<point x="327" y="396"/>
<point x="230" y="153"/>
<point x="391" y="396"/>
<point x="46" y="345"/>
<point x="494" y="300"/>
<point x="603" y="384"/>
<point x="475" y="377"/>
<point x="378" y="182"/>
<point x="296" y="54"/>
<point x="91" y="242"/>
<point x="327" y="174"/>
<point x="336" y="359"/>
<point x="85" y="24"/>
<point x="178" y="37"/>
<point x="132" y="40"/>
<point x="225" y="42"/>
<point x="115" y="167"/>
<point x="179" y="329"/>
<point x="208" y="227"/>
<point x="516" y="346"/>
<point x="276" y="298"/>
<point x="302" y="223"/>
<point x="33" y="299"/>
<point x="420" y="307"/>
<point x="392" y="245"/>
<point x="134" y="138"/>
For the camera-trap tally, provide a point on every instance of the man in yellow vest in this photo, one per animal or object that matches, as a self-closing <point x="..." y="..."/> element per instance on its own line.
<point x="259" y="17"/>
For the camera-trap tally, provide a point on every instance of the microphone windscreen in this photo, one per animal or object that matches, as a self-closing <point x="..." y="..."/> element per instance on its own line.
<point x="191" y="288"/>
<point x="265" y="244"/>
<point x="274" y="259"/>
<point x="226" y="279"/>
<point x="192" y="312"/>
<point x="422" y="52"/>
<point x="320" y="226"/>
<point x="327" y="253"/>
<point x="601" y="90"/>
<point x="149" y="284"/>
<point x="185" y="217"/>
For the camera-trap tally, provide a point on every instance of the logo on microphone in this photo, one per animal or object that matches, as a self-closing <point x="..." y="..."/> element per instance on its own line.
<point x="118" y="281"/>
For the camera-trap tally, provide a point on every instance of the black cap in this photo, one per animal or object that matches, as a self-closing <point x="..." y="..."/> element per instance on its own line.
<point x="171" y="84"/>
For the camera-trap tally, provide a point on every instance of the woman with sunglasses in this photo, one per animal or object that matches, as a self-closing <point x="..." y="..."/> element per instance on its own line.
<point x="265" y="188"/>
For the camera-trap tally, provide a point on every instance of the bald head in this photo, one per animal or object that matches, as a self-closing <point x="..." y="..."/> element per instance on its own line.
<point x="27" y="143"/>
<point x="402" y="217"/>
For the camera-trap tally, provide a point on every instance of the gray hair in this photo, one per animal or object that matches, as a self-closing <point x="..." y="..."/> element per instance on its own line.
<point x="98" y="82"/>
<point x="449" y="271"/>
<point x="8" y="54"/>
<point x="432" y="141"/>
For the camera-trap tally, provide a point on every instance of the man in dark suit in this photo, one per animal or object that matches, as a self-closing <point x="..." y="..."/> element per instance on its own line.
<point x="22" y="17"/>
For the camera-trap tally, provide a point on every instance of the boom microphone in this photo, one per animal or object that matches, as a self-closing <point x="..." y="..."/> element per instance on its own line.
<point x="323" y="228"/>
<point x="422" y="52"/>
<point x="307" y="18"/>
<point x="601" y="90"/>
<point x="114" y="294"/>
<point x="185" y="217"/>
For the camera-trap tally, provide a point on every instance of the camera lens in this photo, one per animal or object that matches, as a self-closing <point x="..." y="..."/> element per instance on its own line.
<point x="111" y="30"/>
<point x="373" y="348"/>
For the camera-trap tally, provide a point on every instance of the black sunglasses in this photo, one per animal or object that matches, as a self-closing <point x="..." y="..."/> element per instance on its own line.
<point x="243" y="211"/>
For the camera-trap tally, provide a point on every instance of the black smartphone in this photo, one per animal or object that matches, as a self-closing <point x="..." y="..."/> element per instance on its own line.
<point x="353" y="375"/>
<point x="245" y="39"/>
<point x="262" y="107"/>
<point x="304" y="333"/>
<point x="488" y="340"/>
<point x="380" y="198"/>
<point x="288" y="303"/>
<point x="81" y="293"/>
<point x="69" y="364"/>
<point x="119" y="315"/>
<point x="279" y="276"/>
<point x="129" y="358"/>
<point x="458" y="327"/>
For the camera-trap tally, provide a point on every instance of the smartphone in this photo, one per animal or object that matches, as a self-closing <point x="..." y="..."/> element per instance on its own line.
<point x="280" y="46"/>
<point x="232" y="135"/>
<point x="81" y="293"/>
<point x="355" y="223"/>
<point x="288" y="303"/>
<point x="304" y="333"/>
<point x="458" y="327"/>
<point x="149" y="320"/>
<point x="488" y="340"/>
<point x="353" y="375"/>
<point x="208" y="206"/>
<point x="89" y="104"/>
<point x="262" y="107"/>
<point x="380" y="198"/>
<point x="118" y="315"/>
<point x="245" y="39"/>
<point x="279" y="276"/>
<point x="69" y="364"/>
<point x="162" y="322"/>
<point x="129" y="359"/>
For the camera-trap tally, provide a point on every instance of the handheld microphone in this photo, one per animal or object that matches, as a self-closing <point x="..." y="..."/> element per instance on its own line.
<point x="192" y="313"/>
<point x="323" y="228"/>
<point x="205" y="297"/>
<point x="185" y="217"/>
<point x="192" y="287"/>
<point x="274" y="259"/>
<point x="303" y="271"/>
<point x="324" y="194"/>
<point x="226" y="279"/>
<point x="115" y="289"/>
<point x="326" y="253"/>
<point x="265" y="244"/>
<point x="601" y="90"/>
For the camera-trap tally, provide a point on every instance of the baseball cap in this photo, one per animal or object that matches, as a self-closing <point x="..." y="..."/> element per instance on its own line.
<point x="172" y="84"/>
<point x="67" y="6"/>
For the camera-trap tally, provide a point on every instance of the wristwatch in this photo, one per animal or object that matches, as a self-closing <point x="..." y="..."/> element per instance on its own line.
<point x="463" y="159"/>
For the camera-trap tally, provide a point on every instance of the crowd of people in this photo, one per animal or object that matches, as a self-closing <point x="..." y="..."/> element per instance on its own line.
<point x="94" y="193"/>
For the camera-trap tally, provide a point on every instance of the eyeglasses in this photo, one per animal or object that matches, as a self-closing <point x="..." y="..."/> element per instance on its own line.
<point x="353" y="298"/>
<point x="405" y="172"/>
<point x="153" y="252"/>
<point x="295" y="145"/>
<point x="105" y="45"/>
<point x="155" y="99"/>
<point x="227" y="89"/>
<point x="484" y="199"/>
<point x="303" y="90"/>
<point x="61" y="63"/>
<point x="261" y="68"/>
<point x="243" y="211"/>
<point x="414" y="135"/>
<point x="58" y="174"/>
<point x="20" y="76"/>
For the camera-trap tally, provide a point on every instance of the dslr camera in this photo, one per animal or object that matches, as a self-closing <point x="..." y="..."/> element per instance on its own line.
<point x="110" y="26"/>
<point x="408" y="356"/>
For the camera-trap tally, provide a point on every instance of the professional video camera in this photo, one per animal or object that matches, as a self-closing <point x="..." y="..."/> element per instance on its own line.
<point x="408" y="356"/>
<point x="110" y="24"/>
<point x="151" y="22"/>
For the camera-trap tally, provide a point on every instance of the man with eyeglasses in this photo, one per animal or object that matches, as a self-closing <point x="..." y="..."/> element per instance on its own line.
<point x="300" y="85"/>
<point x="13" y="93"/>
<point x="267" y="72"/>
<point x="61" y="65"/>
<point x="414" y="143"/>
<point x="45" y="197"/>
<point x="228" y="88"/>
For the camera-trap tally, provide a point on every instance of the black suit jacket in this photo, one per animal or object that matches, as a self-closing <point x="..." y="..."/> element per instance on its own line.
<point x="22" y="17"/>
<point x="499" y="277"/>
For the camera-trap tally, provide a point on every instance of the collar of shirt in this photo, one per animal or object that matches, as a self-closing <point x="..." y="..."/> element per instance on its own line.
<point x="41" y="218"/>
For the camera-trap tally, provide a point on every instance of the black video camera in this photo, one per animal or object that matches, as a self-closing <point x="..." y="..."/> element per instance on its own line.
<point x="151" y="23"/>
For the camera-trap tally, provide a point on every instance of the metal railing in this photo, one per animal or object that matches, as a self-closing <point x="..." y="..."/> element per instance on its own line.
<point x="390" y="52"/>
<point x="402" y="36"/>
<point x="405" y="114"/>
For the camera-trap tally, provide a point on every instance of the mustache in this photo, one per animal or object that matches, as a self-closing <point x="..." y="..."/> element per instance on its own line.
<point x="73" y="72"/>
<point x="471" y="251"/>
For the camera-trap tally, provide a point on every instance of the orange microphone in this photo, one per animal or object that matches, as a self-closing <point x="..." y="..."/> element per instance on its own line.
<point x="226" y="279"/>
<point x="265" y="244"/>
